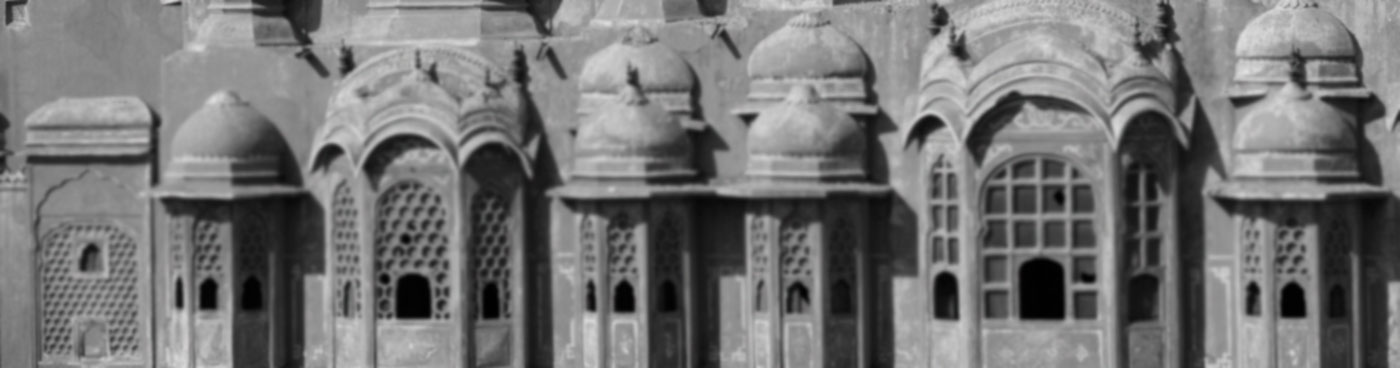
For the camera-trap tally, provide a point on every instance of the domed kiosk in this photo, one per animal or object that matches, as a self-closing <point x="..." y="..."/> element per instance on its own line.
<point x="810" y="51"/>
<point x="1296" y="188"/>
<point x="662" y="74"/>
<point x="226" y="201"/>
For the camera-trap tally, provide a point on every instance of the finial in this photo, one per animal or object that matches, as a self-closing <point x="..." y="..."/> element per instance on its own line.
<point x="957" y="42"/>
<point x="811" y="19"/>
<point x="224" y="98"/>
<point x="802" y="94"/>
<point x="347" y="59"/>
<point x="634" y="76"/>
<point x="631" y="95"/>
<point x="1166" y="21"/>
<point x="638" y="36"/>
<point x="938" y="18"/>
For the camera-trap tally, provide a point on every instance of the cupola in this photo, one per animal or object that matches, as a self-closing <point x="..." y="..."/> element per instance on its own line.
<point x="1296" y="28"/>
<point x="226" y="148"/>
<point x="809" y="51"/>
<point x="662" y="74"/>
<point x="805" y="138"/>
<point x="632" y="138"/>
<point x="1294" y="134"/>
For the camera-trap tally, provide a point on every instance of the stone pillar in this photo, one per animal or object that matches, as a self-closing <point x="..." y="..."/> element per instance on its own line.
<point x="404" y="22"/>
<point x="245" y="23"/>
<point x="17" y="308"/>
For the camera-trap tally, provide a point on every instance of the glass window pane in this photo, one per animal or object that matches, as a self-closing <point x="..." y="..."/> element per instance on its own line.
<point x="1130" y="187"/>
<point x="952" y="218"/>
<point x="1083" y="199"/>
<point x="953" y="250"/>
<point x="1086" y="305"/>
<point x="995" y="269"/>
<point x="998" y="305"/>
<point x="995" y="236"/>
<point x="996" y="200"/>
<point x="1151" y="186"/>
<point x="1024" y="199"/>
<point x="1025" y="234"/>
<point x="1133" y="253"/>
<point x="1154" y="252"/>
<point x="1055" y="198"/>
<point x="1055" y="234"/>
<point x="1151" y="221"/>
<point x="936" y="249"/>
<point x="1132" y="221"/>
<point x="1086" y="270"/>
<point x="1084" y="234"/>
<point x="935" y="218"/>
<point x="1053" y="169"/>
<point x="1023" y="169"/>
<point x="935" y="186"/>
<point x="1000" y="174"/>
<point x="952" y="186"/>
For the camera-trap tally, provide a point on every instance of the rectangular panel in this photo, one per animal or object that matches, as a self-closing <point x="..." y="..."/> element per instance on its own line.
<point x="910" y="341"/>
<point x="1297" y="345"/>
<point x="590" y="341"/>
<point x="799" y="346"/>
<point x="211" y="343"/>
<point x="946" y="345"/>
<point x="667" y="347"/>
<point x="732" y="326"/>
<point x="761" y="340"/>
<point x="493" y="345"/>
<point x="1146" y="348"/>
<point x="415" y="344"/>
<point x="349" y="343"/>
<point x="1046" y="347"/>
<point x="624" y="349"/>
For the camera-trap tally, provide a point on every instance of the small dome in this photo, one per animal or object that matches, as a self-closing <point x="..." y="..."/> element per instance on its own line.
<point x="226" y="127"/>
<point x="803" y="125"/>
<point x="807" y="47"/>
<point x="632" y="126"/>
<point x="1292" y="120"/>
<point x="659" y="69"/>
<point x="1296" y="25"/>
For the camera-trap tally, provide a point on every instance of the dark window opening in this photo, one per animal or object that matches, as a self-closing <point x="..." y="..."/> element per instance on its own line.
<point x="413" y="297"/>
<point x="1292" y="302"/>
<point x="1337" y="302"/>
<point x="347" y="300"/>
<point x="90" y="261"/>
<point x="1042" y="290"/>
<point x="252" y="295"/>
<point x="490" y="301"/>
<point x="841" y="300"/>
<point x="624" y="298"/>
<point x="1251" y="300"/>
<point x="758" y="297"/>
<point x="1143" y="299"/>
<point x="590" y="298"/>
<point x="670" y="298"/>
<point x="179" y="294"/>
<point x="208" y="295"/>
<point x="945" y="297"/>
<point x="798" y="299"/>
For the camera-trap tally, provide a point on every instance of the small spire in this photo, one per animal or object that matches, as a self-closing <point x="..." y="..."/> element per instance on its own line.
<point x="811" y="19"/>
<point x="1297" y="67"/>
<point x="802" y="94"/>
<point x="224" y="98"/>
<point x="638" y="36"/>
<point x="630" y="95"/>
<point x="1296" y="4"/>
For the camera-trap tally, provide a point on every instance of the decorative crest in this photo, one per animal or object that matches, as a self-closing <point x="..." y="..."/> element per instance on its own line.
<point x="634" y="77"/>
<point x="347" y="58"/>
<point x="638" y="36"/>
<point x="1166" y="21"/>
<point x="938" y="18"/>
<point x="1297" y="67"/>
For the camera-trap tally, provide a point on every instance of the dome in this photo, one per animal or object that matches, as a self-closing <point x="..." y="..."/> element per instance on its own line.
<point x="1296" y="25"/>
<point x="809" y="48"/>
<point x="226" y="127"/>
<point x="1292" y="120"/>
<point x="659" y="69"/>
<point x="632" y="138"/>
<point x="805" y="137"/>
<point x="632" y="126"/>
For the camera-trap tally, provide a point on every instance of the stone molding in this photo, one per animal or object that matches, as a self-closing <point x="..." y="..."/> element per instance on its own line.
<point x="100" y="126"/>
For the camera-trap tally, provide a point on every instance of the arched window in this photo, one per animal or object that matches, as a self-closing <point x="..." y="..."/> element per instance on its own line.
<point x="490" y="302"/>
<point x="670" y="298"/>
<point x="758" y="297"/>
<point x="1293" y="303"/>
<point x="1337" y="302"/>
<point x="798" y="299"/>
<point x="90" y="261"/>
<point x="1041" y="211"/>
<point x="252" y="295"/>
<point x="1144" y="303"/>
<point x="841" y="299"/>
<point x="1042" y="290"/>
<point x="624" y="298"/>
<point x="945" y="297"/>
<point x="1251" y="300"/>
<point x="347" y="299"/>
<point x="413" y="297"/>
<point x="179" y="294"/>
<point x="590" y="297"/>
<point x="208" y="295"/>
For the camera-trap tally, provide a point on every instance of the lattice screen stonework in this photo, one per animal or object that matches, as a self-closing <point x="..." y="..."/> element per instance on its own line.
<point x="490" y="213"/>
<point x="345" y="242"/>
<point x="411" y="237"/>
<point x="112" y="298"/>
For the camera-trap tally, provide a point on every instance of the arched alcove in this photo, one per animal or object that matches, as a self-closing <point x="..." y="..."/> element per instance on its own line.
<point x="1143" y="298"/>
<point x="798" y="299"/>
<point x="208" y="295"/>
<point x="413" y="297"/>
<point x="1293" y="301"/>
<point x="945" y="297"/>
<point x="1251" y="300"/>
<point x="624" y="298"/>
<point x="670" y="300"/>
<point x="90" y="261"/>
<point x="1042" y="290"/>
<point x="252" y="295"/>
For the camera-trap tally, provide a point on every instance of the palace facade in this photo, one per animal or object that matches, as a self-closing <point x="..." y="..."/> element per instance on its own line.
<point x="699" y="183"/>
